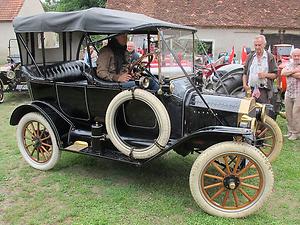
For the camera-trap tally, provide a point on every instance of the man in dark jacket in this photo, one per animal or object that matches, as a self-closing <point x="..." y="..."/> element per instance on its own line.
<point x="260" y="72"/>
<point x="113" y="60"/>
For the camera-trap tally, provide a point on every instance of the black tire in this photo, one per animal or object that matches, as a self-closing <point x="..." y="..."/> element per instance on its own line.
<point x="231" y="83"/>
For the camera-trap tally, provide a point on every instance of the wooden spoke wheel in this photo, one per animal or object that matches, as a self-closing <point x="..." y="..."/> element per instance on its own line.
<point x="269" y="138"/>
<point x="231" y="179"/>
<point x="37" y="142"/>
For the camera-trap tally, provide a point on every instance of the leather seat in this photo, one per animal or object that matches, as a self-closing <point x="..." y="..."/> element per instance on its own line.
<point x="72" y="71"/>
<point x="67" y="71"/>
<point x="60" y="72"/>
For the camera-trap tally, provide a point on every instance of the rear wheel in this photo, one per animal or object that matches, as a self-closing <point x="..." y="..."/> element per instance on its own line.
<point x="232" y="83"/>
<point x="37" y="142"/>
<point x="231" y="179"/>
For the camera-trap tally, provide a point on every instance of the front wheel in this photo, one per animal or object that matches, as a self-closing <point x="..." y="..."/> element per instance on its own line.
<point x="231" y="179"/>
<point x="269" y="138"/>
<point x="37" y="142"/>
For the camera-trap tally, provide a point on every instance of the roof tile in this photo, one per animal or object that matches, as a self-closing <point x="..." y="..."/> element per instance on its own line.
<point x="9" y="9"/>
<point x="223" y="13"/>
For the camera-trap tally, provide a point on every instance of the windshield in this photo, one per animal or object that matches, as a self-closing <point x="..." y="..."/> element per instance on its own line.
<point x="180" y="43"/>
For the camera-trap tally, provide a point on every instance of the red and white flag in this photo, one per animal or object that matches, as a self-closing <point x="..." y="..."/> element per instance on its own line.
<point x="243" y="55"/>
<point x="231" y="56"/>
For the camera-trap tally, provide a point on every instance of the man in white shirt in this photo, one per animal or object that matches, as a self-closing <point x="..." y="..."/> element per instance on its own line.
<point x="260" y="71"/>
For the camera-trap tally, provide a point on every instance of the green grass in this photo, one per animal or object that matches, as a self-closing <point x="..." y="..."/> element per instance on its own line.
<point x="86" y="190"/>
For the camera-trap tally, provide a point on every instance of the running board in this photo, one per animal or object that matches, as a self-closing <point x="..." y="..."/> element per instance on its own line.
<point x="105" y="154"/>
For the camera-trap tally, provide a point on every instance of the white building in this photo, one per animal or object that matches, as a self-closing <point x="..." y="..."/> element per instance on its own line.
<point x="9" y="9"/>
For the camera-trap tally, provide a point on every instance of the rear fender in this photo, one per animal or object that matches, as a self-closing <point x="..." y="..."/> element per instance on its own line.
<point x="58" y="122"/>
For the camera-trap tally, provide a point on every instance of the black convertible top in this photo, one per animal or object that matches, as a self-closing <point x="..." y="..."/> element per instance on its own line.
<point x="94" y="20"/>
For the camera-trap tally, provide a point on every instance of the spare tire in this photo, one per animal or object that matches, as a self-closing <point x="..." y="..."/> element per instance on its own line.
<point x="161" y="115"/>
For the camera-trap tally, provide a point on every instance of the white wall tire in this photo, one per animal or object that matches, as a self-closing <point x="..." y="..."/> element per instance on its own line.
<point x="161" y="115"/>
<point x="37" y="142"/>
<point x="215" y="192"/>
<point x="271" y="136"/>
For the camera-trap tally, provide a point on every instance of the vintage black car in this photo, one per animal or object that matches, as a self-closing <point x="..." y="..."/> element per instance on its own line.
<point x="71" y="109"/>
<point x="11" y="78"/>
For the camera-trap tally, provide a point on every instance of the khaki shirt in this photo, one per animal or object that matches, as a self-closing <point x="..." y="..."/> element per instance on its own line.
<point x="106" y="68"/>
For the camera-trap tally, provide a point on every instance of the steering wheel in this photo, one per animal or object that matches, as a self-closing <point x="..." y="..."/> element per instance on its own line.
<point x="140" y="64"/>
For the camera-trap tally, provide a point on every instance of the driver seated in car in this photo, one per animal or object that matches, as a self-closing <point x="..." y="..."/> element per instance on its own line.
<point x="113" y="61"/>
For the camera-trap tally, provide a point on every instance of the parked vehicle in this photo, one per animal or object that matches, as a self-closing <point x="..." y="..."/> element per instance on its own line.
<point x="10" y="77"/>
<point x="71" y="109"/>
<point x="282" y="55"/>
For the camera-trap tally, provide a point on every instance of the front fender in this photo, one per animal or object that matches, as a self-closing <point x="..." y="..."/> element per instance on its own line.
<point x="60" y="125"/>
<point x="208" y="136"/>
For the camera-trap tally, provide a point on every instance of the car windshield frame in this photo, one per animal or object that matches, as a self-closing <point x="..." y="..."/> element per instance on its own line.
<point x="176" y="53"/>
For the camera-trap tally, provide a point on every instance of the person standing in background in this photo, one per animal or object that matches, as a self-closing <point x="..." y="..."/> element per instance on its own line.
<point x="133" y="55"/>
<point x="292" y="95"/>
<point x="260" y="71"/>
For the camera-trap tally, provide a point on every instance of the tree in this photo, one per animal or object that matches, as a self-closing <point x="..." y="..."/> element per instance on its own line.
<point x="201" y="47"/>
<point x="72" y="5"/>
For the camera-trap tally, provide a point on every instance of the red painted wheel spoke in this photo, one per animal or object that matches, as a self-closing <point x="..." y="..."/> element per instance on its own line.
<point x="45" y="144"/>
<point x="220" y="191"/>
<point x="249" y="177"/>
<point x="262" y="133"/>
<point x="46" y="138"/>
<point x="46" y="151"/>
<point x="28" y="138"/>
<point x="38" y="129"/>
<point x="225" y="198"/>
<point x="219" y="169"/>
<point x="213" y="185"/>
<point x="43" y="154"/>
<point x="264" y="138"/>
<point x="32" y="151"/>
<point x="213" y="176"/>
<point x="237" y="163"/>
<point x="267" y="145"/>
<point x="43" y="131"/>
<point x="32" y="134"/>
<point x="28" y="145"/>
<point x="245" y="194"/>
<point x="236" y="199"/>
<point x="226" y="163"/>
<point x="245" y="168"/>
<point x="249" y="186"/>
<point x="33" y="129"/>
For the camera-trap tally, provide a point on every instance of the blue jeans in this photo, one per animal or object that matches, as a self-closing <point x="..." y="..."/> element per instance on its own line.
<point x="154" y="84"/>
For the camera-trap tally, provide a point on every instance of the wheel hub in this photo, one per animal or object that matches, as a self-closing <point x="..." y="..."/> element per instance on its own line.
<point x="37" y="142"/>
<point x="231" y="182"/>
